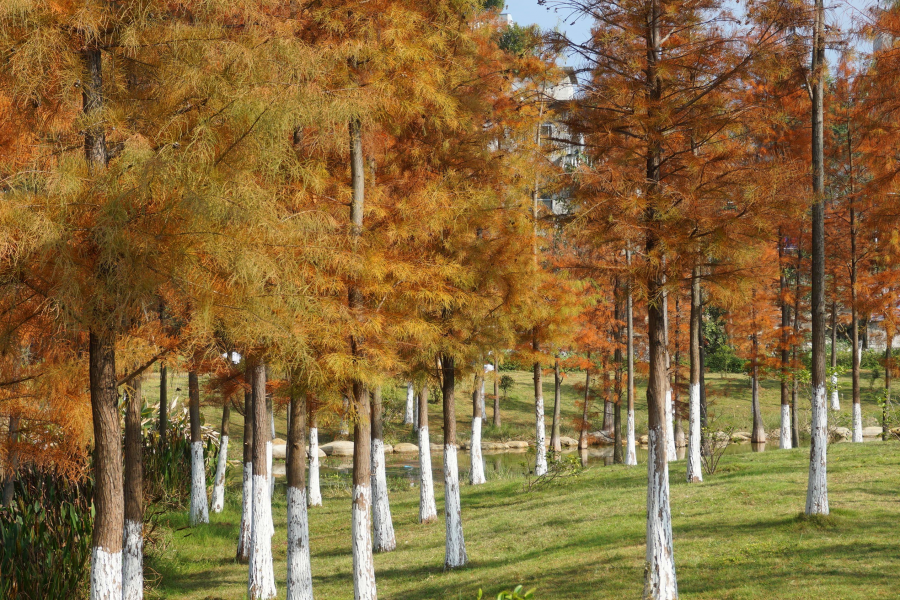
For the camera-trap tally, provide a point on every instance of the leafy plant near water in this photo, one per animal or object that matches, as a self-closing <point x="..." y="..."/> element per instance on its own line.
<point x="568" y="466"/>
<point x="46" y="538"/>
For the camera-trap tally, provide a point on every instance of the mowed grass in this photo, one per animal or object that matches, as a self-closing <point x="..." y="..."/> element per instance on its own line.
<point x="737" y="536"/>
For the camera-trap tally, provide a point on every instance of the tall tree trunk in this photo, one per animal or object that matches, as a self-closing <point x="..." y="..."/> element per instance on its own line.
<point x="381" y="508"/>
<point x="659" y="580"/>
<point x="679" y="430"/>
<point x="785" y="432"/>
<point x="246" y="527"/>
<point x="888" y="364"/>
<point x="694" y="464"/>
<point x="315" y="492"/>
<point x="427" y="505"/>
<point x="496" y="373"/>
<point x="199" y="509"/>
<point x="758" y="434"/>
<point x="109" y="516"/>
<point x="671" y="453"/>
<point x="583" y="434"/>
<point x="630" y="442"/>
<point x="854" y="317"/>
<point x="410" y="404"/>
<point x="817" y="490"/>
<point x="270" y="419"/>
<point x="163" y="405"/>
<point x="363" y="562"/>
<point x="299" y="570"/>
<point x="795" y="384"/>
<point x="218" y="495"/>
<point x="540" y="461"/>
<point x="456" y="545"/>
<point x="476" y="463"/>
<point x="12" y="460"/>
<point x="835" y="396"/>
<point x="261" y="582"/>
<point x="133" y="556"/>
<point x="618" y="459"/>
<point x="555" y="444"/>
<point x="344" y="430"/>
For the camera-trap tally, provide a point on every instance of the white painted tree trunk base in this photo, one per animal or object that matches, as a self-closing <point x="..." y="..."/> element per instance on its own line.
<point x="269" y="462"/>
<point x="299" y="570"/>
<point x="427" y="505"/>
<point x="630" y="442"/>
<point x="218" y="495"/>
<point x="315" y="493"/>
<point x="363" y="562"/>
<point x="857" y="423"/>
<point x="245" y="539"/>
<point x="659" y="583"/>
<point x="671" y="452"/>
<point x="409" y="413"/>
<point x="261" y="582"/>
<point x="199" y="507"/>
<point x="106" y="574"/>
<point x="540" y="460"/>
<point x="835" y="396"/>
<point x="384" y="540"/>
<point x="786" y="438"/>
<point x="694" y="462"/>
<point x="456" y="544"/>
<point x="477" y="460"/>
<point x="133" y="561"/>
<point x="817" y="489"/>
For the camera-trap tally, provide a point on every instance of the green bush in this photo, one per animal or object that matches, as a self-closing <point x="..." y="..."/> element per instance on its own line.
<point x="724" y="360"/>
<point x="46" y="538"/>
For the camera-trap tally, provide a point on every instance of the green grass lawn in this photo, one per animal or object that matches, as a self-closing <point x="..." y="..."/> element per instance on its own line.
<point x="737" y="535"/>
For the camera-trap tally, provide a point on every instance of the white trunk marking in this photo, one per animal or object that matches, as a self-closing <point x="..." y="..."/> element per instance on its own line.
<point x="694" y="465"/>
<point x="786" y="437"/>
<point x="817" y="490"/>
<point x="269" y="461"/>
<point x="133" y="561"/>
<point x="199" y="509"/>
<point x="261" y="583"/>
<point x="660" y="583"/>
<point x="671" y="453"/>
<point x="299" y="571"/>
<point x="315" y="494"/>
<point x="835" y="397"/>
<point x="381" y="507"/>
<point x="363" y="563"/>
<point x="244" y="536"/>
<point x="540" y="461"/>
<point x="857" y="423"/>
<point x="218" y="495"/>
<point x="477" y="461"/>
<point x="410" y="404"/>
<point x="456" y="545"/>
<point x="630" y="449"/>
<point x="106" y="574"/>
<point x="427" y="505"/>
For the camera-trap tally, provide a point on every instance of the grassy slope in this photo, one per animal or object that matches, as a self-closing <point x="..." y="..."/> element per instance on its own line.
<point x="736" y="536"/>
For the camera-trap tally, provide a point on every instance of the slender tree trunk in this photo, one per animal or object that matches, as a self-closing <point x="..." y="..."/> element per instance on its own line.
<point x="671" y="453"/>
<point x="785" y="432"/>
<point x="583" y="436"/>
<point x="555" y="444"/>
<point x="270" y="419"/>
<point x="679" y="430"/>
<point x="795" y="384"/>
<point x="496" y="394"/>
<point x="163" y="404"/>
<point x="817" y="491"/>
<point x="630" y="442"/>
<point x="246" y="527"/>
<point x="758" y="435"/>
<point x="427" y="505"/>
<point x="9" y="481"/>
<point x="540" y="461"/>
<point x="381" y="508"/>
<point x="218" y="495"/>
<point x="835" y="396"/>
<point x="199" y="509"/>
<point x="694" y="464"/>
<point x="299" y="569"/>
<point x="410" y="404"/>
<point x="456" y="545"/>
<point x="618" y="459"/>
<point x="854" y="317"/>
<point x="133" y="556"/>
<point x="261" y="582"/>
<point x="109" y="515"/>
<point x="888" y="364"/>
<point x="315" y="493"/>
<point x="476" y="464"/>
<point x="344" y="431"/>
<point x="363" y="562"/>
